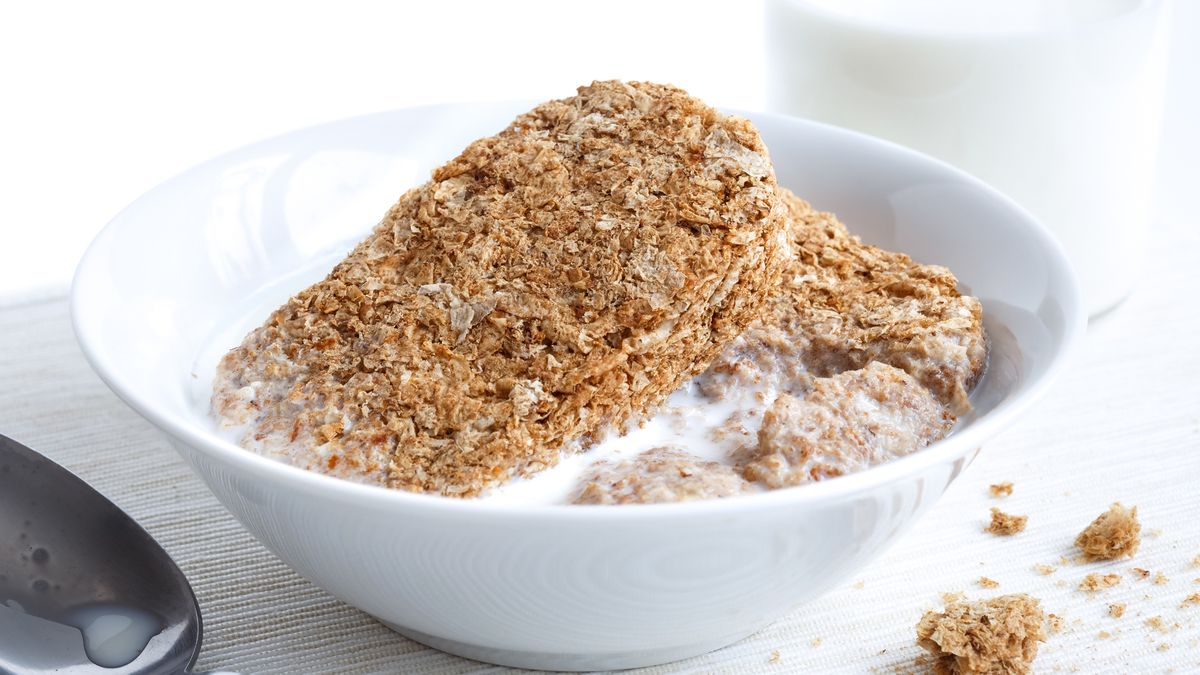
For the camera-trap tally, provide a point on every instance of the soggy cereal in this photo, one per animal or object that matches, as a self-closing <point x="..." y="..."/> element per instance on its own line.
<point x="845" y="423"/>
<point x="667" y="474"/>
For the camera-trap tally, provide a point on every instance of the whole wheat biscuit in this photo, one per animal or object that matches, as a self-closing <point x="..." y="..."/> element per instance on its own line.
<point x="843" y="304"/>
<point x="547" y="284"/>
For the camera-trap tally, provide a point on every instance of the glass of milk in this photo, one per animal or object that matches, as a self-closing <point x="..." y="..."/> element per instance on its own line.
<point x="1057" y="103"/>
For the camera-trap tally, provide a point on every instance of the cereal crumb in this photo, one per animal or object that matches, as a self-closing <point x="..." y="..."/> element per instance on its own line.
<point x="1196" y="561"/>
<point x="1006" y="524"/>
<point x="1140" y="573"/>
<point x="953" y="597"/>
<point x="998" y="635"/>
<point x="1094" y="582"/>
<point x="1193" y="599"/>
<point x="1113" y="534"/>
<point x="859" y="584"/>
<point x="774" y="656"/>
<point x="1157" y="623"/>
<point x="1164" y="647"/>
<point x="988" y="583"/>
<point x="1055" y="622"/>
<point x="1001" y="489"/>
<point x="1160" y="579"/>
<point x="816" y="642"/>
<point x="1044" y="570"/>
<point x="1116" y="610"/>
<point x="1104" y="635"/>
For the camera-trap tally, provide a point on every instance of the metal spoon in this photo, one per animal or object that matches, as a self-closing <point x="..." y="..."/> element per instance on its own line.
<point x="72" y="565"/>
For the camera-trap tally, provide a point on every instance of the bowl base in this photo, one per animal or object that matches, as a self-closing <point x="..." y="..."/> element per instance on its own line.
<point x="563" y="661"/>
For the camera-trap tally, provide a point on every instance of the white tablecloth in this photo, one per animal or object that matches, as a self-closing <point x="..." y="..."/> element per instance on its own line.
<point x="1123" y="424"/>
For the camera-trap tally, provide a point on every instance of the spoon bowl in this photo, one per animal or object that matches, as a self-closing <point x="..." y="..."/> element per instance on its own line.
<point x="82" y="585"/>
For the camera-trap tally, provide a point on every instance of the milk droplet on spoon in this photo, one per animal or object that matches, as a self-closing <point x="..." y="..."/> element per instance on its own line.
<point x="113" y="635"/>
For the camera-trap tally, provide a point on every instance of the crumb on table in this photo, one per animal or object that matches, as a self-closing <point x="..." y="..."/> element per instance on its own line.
<point x="1116" y="610"/>
<point x="1095" y="582"/>
<point x="1113" y="534"/>
<point x="1044" y="570"/>
<point x="1141" y="573"/>
<point x="1055" y="622"/>
<point x="1006" y="524"/>
<point x="1160" y="579"/>
<point x="988" y="583"/>
<point x="951" y="597"/>
<point x="1193" y="599"/>
<point x="1157" y="623"/>
<point x="1001" y="489"/>
<point x="996" y="635"/>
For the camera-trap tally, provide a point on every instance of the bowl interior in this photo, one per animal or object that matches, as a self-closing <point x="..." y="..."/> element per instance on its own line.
<point x="183" y="273"/>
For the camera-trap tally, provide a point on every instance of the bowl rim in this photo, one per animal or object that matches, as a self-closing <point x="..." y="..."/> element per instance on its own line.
<point x="374" y="497"/>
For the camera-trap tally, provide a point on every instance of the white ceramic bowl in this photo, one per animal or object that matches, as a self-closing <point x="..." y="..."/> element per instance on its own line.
<point x="180" y="275"/>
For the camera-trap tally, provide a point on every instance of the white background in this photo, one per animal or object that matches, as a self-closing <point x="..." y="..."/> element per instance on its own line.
<point x="103" y="100"/>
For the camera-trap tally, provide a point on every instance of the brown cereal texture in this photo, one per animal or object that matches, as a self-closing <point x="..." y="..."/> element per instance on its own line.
<point x="1055" y="622"/>
<point x="952" y="597"/>
<point x="843" y="304"/>
<point x="844" y="423"/>
<point x="1004" y="489"/>
<point x="552" y="281"/>
<point x="665" y="474"/>
<point x="1157" y="623"/>
<point x="999" y="635"/>
<point x="1096" y="582"/>
<point x="1113" y="534"/>
<point x="1005" y="524"/>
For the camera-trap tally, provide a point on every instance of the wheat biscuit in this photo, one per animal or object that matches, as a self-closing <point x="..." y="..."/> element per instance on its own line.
<point x="551" y="282"/>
